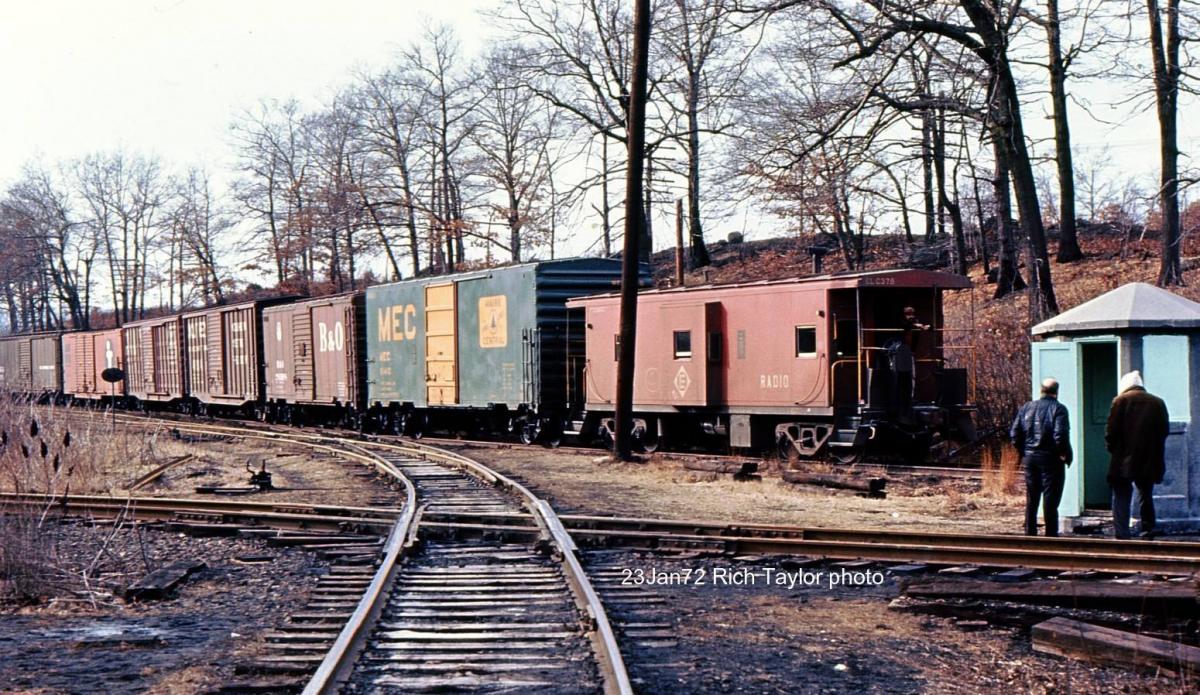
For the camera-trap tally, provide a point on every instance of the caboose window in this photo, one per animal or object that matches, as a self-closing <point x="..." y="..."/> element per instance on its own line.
<point x="806" y="341"/>
<point x="683" y="344"/>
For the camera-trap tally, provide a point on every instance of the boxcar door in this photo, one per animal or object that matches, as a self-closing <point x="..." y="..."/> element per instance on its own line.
<point x="196" y="330"/>
<point x="277" y="351"/>
<point x="329" y="363"/>
<point x="441" y="345"/>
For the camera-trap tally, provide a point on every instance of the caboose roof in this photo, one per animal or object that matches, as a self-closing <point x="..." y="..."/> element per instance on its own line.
<point x="1136" y="306"/>
<point x="898" y="278"/>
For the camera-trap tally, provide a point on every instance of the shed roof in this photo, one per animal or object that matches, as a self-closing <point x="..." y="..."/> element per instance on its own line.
<point x="1133" y="306"/>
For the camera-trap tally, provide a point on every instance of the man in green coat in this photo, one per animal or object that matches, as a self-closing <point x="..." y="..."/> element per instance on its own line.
<point x="1136" y="437"/>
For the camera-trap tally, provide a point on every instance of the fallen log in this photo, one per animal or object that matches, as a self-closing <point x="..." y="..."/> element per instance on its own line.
<point x="163" y="581"/>
<point x="1102" y="645"/>
<point x="726" y="467"/>
<point x="874" y="487"/>
<point x="1174" y="599"/>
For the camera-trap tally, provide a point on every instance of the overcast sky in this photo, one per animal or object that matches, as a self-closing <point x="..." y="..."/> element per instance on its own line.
<point x="167" y="77"/>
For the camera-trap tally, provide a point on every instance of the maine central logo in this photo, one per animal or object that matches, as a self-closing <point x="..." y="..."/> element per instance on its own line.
<point x="682" y="382"/>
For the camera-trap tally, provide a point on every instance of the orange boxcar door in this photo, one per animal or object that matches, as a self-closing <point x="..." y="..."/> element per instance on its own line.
<point x="441" y="345"/>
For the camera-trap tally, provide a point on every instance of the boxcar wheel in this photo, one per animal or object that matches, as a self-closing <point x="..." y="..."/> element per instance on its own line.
<point x="530" y="431"/>
<point x="847" y="457"/>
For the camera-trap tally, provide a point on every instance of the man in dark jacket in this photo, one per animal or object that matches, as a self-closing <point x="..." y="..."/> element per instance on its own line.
<point x="1041" y="434"/>
<point x="1136" y="436"/>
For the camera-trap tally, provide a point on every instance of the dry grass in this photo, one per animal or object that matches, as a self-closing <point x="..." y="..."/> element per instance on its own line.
<point x="50" y="451"/>
<point x="1001" y="469"/>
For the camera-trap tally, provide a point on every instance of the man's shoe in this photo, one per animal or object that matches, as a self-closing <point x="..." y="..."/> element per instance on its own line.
<point x="1146" y="535"/>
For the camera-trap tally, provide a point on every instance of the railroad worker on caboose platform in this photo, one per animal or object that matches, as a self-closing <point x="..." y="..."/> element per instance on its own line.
<point x="1041" y="434"/>
<point x="1136" y="435"/>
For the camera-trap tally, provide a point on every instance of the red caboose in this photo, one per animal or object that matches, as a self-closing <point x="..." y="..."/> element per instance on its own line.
<point x="822" y="364"/>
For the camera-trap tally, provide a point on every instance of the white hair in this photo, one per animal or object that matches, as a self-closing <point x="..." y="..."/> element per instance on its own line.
<point x="1131" y="380"/>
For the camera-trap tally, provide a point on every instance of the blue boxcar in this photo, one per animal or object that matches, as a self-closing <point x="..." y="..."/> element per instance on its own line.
<point x="492" y="342"/>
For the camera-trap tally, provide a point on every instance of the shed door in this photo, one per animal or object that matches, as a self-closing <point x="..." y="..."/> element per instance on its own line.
<point x="1061" y="361"/>
<point x="441" y="368"/>
<point x="329" y="343"/>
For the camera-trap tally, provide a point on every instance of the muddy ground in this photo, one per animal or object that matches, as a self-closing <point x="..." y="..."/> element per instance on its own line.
<point x="847" y="639"/>
<point x="581" y="482"/>
<point x="75" y="641"/>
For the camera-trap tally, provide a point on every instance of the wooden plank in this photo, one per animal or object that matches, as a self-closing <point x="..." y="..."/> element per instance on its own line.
<point x="1179" y="599"/>
<point x="163" y="581"/>
<point x="1102" y="645"/>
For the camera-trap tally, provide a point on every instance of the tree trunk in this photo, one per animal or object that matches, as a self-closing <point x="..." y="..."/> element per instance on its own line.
<point x="699" y="252"/>
<point x="634" y="219"/>
<point x="927" y="173"/>
<point x="1008" y="272"/>
<point x="1068" y="241"/>
<point x="1166" y="96"/>
<point x="605" y="209"/>
<point x="1007" y="128"/>
<point x="939" y="162"/>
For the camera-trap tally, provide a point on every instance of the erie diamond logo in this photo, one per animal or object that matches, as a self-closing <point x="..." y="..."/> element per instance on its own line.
<point x="682" y="382"/>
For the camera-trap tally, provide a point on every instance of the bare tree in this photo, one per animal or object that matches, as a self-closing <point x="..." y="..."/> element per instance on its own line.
<point x="123" y="194"/>
<point x="512" y="136"/>
<point x="1166" y="40"/>
<point x="273" y="161"/>
<point x="39" y="206"/>
<point x="710" y="48"/>
<point x="200" y="225"/>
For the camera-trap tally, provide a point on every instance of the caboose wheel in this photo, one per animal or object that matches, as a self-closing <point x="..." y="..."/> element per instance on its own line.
<point x="643" y="441"/>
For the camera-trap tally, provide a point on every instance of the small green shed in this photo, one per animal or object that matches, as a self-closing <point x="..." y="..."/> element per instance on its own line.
<point x="1136" y="326"/>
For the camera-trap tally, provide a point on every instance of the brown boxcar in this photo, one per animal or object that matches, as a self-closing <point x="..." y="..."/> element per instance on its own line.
<point x="154" y="359"/>
<point x="311" y="350"/>
<point x="223" y="354"/>
<point x="31" y="364"/>
<point x="86" y="354"/>
<point x="807" y="360"/>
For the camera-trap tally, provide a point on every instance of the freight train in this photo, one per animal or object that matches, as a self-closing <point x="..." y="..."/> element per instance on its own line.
<point x="831" y="365"/>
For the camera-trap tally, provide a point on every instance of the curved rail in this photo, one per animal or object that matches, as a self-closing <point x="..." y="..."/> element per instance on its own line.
<point x="339" y="661"/>
<point x="341" y="657"/>
<point x="604" y="641"/>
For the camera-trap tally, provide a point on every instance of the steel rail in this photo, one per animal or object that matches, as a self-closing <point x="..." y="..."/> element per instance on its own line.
<point x="338" y="663"/>
<point x="600" y="632"/>
<point x="281" y="516"/>
<point x="1173" y="558"/>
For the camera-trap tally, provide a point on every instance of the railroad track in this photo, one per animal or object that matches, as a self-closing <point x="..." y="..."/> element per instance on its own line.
<point x="475" y="614"/>
<point x="941" y="549"/>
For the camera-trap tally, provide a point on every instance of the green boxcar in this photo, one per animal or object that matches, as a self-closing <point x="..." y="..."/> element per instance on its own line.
<point x="488" y="340"/>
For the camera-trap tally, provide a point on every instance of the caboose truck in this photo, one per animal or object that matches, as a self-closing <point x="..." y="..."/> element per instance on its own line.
<point x="819" y="366"/>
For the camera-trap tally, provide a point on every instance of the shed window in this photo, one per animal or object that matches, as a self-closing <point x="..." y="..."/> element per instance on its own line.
<point x="1165" y="370"/>
<point x="806" y="341"/>
<point x="683" y="344"/>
